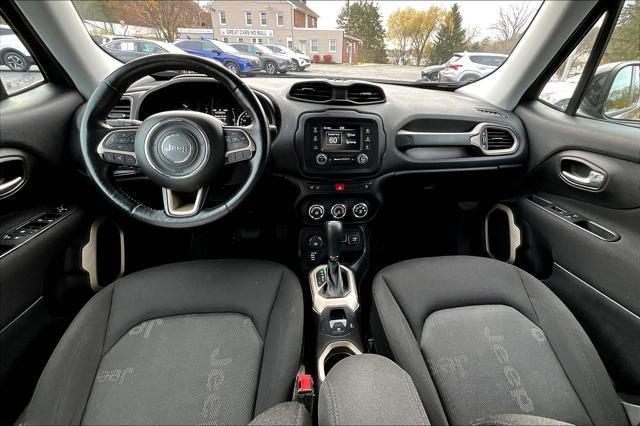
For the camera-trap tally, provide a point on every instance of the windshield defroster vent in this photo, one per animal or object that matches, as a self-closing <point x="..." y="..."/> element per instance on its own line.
<point x="491" y="112"/>
<point x="122" y="110"/>
<point x="365" y="94"/>
<point x="312" y="92"/>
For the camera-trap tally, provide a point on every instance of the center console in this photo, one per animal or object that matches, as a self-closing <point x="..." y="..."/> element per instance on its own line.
<point x="339" y="153"/>
<point x="335" y="304"/>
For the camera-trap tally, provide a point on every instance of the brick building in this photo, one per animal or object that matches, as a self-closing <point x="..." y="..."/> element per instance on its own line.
<point x="289" y="23"/>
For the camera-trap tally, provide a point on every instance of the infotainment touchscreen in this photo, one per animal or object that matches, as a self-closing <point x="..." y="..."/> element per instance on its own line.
<point x="340" y="138"/>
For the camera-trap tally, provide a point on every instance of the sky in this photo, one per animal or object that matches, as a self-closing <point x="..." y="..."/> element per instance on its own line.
<point x="474" y="13"/>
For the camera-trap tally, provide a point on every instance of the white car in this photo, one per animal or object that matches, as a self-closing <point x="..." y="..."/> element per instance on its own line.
<point x="558" y="92"/>
<point x="471" y="66"/>
<point x="104" y="39"/>
<point x="13" y="54"/>
<point x="300" y="60"/>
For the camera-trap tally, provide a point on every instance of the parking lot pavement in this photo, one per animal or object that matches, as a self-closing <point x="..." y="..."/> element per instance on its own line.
<point x="364" y="71"/>
<point x="14" y="81"/>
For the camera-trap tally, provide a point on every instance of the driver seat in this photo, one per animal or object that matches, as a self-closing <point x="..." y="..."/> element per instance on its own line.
<point x="202" y="342"/>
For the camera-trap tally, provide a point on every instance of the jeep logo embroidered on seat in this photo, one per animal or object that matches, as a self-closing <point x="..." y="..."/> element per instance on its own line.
<point x="146" y="327"/>
<point x="518" y="392"/>
<point x="215" y="379"/>
<point x="117" y="375"/>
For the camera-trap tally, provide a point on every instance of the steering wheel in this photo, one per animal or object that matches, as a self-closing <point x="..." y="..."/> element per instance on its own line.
<point x="181" y="151"/>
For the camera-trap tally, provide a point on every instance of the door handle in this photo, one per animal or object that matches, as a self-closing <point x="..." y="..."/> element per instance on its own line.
<point x="10" y="185"/>
<point x="594" y="180"/>
<point x="582" y="174"/>
<point x="13" y="175"/>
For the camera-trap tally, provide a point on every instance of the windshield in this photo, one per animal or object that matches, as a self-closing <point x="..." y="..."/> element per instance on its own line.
<point x="400" y="41"/>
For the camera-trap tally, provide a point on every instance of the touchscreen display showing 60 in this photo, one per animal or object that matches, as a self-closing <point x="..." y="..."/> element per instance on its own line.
<point x="340" y="138"/>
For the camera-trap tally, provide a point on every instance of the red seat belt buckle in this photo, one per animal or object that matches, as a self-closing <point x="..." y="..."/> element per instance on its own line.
<point x="305" y="383"/>
<point x="303" y="392"/>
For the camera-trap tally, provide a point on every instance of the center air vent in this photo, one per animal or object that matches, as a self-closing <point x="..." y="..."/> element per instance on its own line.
<point x="339" y="93"/>
<point x="365" y="94"/>
<point x="499" y="139"/>
<point x="122" y="110"/>
<point x="312" y="91"/>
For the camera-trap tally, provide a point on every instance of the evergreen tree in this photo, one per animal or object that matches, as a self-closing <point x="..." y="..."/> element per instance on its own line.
<point x="362" y="19"/>
<point x="450" y="37"/>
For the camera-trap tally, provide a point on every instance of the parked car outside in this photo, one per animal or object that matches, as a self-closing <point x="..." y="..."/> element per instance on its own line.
<point x="272" y="62"/>
<point x="471" y="66"/>
<point x="104" y="39"/>
<point x="130" y="49"/>
<point x="13" y="54"/>
<point x="300" y="60"/>
<point x="558" y="92"/>
<point x="235" y="61"/>
<point x="431" y="73"/>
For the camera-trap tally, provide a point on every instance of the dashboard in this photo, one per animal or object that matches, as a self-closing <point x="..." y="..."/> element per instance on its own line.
<point x="337" y="142"/>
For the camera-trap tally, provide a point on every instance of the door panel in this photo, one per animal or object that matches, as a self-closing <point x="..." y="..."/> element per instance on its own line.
<point x="35" y="260"/>
<point x="595" y="272"/>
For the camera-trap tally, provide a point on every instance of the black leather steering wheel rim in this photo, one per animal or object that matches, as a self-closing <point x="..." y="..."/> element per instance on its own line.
<point x="94" y="128"/>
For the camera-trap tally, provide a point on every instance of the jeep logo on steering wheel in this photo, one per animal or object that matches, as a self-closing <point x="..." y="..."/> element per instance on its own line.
<point x="177" y="147"/>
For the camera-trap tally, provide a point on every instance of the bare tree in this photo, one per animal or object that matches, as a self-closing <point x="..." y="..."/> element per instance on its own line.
<point x="510" y="25"/>
<point x="472" y="33"/>
<point x="166" y="16"/>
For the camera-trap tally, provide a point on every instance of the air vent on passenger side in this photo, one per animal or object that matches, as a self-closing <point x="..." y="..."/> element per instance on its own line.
<point x="365" y="94"/>
<point x="122" y="110"/>
<point x="312" y="91"/>
<point x="499" y="139"/>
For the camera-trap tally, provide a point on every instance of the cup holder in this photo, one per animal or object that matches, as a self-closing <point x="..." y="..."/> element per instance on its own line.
<point x="334" y="353"/>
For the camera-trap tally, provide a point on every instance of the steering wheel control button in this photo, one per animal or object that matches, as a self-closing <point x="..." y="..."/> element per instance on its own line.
<point x="316" y="211"/>
<point x="362" y="159"/>
<point x="321" y="159"/>
<point x="360" y="210"/>
<point x="178" y="147"/>
<point x="338" y="211"/>
<point x="121" y="141"/>
<point x="235" y="139"/>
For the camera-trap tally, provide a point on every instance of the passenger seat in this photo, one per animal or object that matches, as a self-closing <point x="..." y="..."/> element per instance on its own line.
<point x="483" y="338"/>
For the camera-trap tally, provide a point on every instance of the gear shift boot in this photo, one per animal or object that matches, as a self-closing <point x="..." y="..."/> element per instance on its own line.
<point x="337" y="282"/>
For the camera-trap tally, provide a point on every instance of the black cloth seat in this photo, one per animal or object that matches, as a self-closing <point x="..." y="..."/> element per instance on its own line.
<point x="482" y="338"/>
<point x="203" y="342"/>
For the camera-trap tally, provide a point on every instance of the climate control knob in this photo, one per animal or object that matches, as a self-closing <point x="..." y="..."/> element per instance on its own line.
<point x="362" y="159"/>
<point x="321" y="159"/>
<point x="338" y="211"/>
<point x="316" y="211"/>
<point x="360" y="210"/>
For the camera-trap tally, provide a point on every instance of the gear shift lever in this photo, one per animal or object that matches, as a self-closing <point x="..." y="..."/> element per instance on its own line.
<point x="335" y="287"/>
